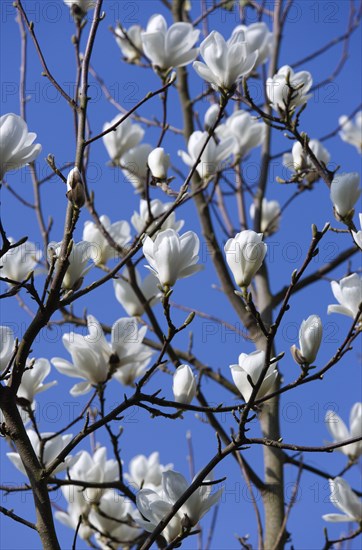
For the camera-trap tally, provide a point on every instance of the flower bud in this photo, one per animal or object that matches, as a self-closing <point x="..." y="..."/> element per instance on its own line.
<point x="345" y="192"/>
<point x="75" y="188"/>
<point x="159" y="162"/>
<point x="184" y="384"/>
<point x="310" y="336"/>
<point x="244" y="255"/>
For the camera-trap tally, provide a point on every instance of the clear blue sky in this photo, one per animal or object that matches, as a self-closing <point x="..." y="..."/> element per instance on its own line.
<point x="310" y="25"/>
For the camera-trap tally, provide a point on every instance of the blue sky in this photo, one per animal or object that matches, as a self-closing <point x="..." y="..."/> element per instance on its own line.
<point x="310" y="25"/>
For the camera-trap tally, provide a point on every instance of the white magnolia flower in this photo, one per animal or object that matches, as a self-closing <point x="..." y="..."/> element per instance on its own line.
<point x="247" y="132"/>
<point x="225" y="62"/>
<point x="159" y="162"/>
<point x="141" y="220"/>
<point x="32" y="380"/>
<point x="310" y="337"/>
<point x="270" y="216"/>
<point x="79" y="8"/>
<point x="172" y="256"/>
<point x="78" y="259"/>
<point x="154" y="506"/>
<point x="245" y="254"/>
<point x="357" y="235"/>
<point x="351" y="132"/>
<point x="348" y="292"/>
<point x="280" y="94"/>
<point x="211" y="115"/>
<point x="114" y="517"/>
<point x="128" y="298"/>
<point x="343" y="498"/>
<point x="251" y="366"/>
<point x="184" y="384"/>
<point x="7" y="343"/>
<point x="340" y="432"/>
<point x="345" y="192"/>
<point x="77" y="506"/>
<point x="169" y="47"/>
<point x="16" y="144"/>
<point x="258" y="38"/>
<point x="18" y="262"/>
<point x="131" y="43"/>
<point x="146" y="473"/>
<point x="126" y="136"/>
<point x="134" y="165"/>
<point x="299" y="161"/>
<point x="45" y="451"/>
<point x="101" y="251"/>
<point x="213" y="154"/>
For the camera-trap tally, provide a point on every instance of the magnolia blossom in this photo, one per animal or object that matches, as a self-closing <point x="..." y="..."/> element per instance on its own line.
<point x="172" y="256"/>
<point x="32" y="380"/>
<point x="270" y="216"/>
<point x="252" y="366"/>
<point x="126" y="136"/>
<point x="134" y="165"/>
<point x="213" y="154"/>
<point x="7" y="343"/>
<point x="141" y="220"/>
<point x="77" y="507"/>
<point x="159" y="162"/>
<point x="245" y="254"/>
<point x="310" y="337"/>
<point x="211" y="116"/>
<point x="75" y="187"/>
<point x="78" y="260"/>
<point x="101" y="251"/>
<point x="351" y="132"/>
<point x="357" y="235"/>
<point x="18" y="262"/>
<point x="146" y="473"/>
<point x="340" y="432"/>
<point x="299" y="161"/>
<point x="258" y="38"/>
<point x="343" y="498"/>
<point x="46" y="451"/>
<point x="128" y="298"/>
<point x="247" y="132"/>
<point x="79" y="8"/>
<point x="95" y="360"/>
<point x="348" y="292"/>
<point x="288" y="89"/>
<point x="16" y="144"/>
<point x="345" y="192"/>
<point x="225" y="62"/>
<point x="169" y="47"/>
<point x="184" y="384"/>
<point x="130" y="42"/>
<point x="154" y="506"/>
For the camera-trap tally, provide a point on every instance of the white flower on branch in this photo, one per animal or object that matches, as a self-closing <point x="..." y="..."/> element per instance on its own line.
<point x="348" y="292"/>
<point x="339" y="431"/>
<point x="126" y="136"/>
<point x="146" y="473"/>
<point x="134" y="165"/>
<point x="32" y="380"/>
<point x="154" y="506"/>
<point x="299" y="161"/>
<point x="169" y="47"/>
<point x="210" y="116"/>
<point x="128" y="298"/>
<point x="246" y="374"/>
<point x="16" y="144"/>
<point x="357" y="235"/>
<point x="310" y="337"/>
<point x="258" y="38"/>
<point x="351" y="132"/>
<point x="130" y="42"/>
<point x="46" y="451"/>
<point x="7" y="342"/>
<point x="343" y="498"/>
<point x="172" y="256"/>
<point x="345" y="192"/>
<point x="142" y="219"/>
<point x="225" y="62"/>
<point x="247" y="132"/>
<point x="212" y="156"/>
<point x="78" y="259"/>
<point x="101" y="251"/>
<point x="184" y="384"/>
<point x="287" y="90"/>
<point x="77" y="507"/>
<point x="270" y="216"/>
<point x="159" y="162"/>
<point x="245" y="254"/>
<point x="79" y="8"/>
<point x="17" y="263"/>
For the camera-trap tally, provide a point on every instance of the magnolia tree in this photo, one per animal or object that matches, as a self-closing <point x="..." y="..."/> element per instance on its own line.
<point x="155" y="358"/>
